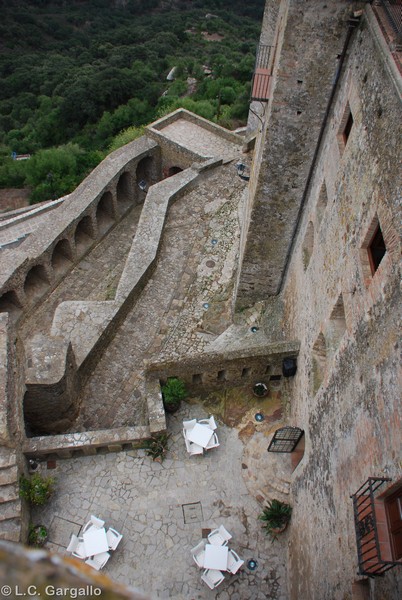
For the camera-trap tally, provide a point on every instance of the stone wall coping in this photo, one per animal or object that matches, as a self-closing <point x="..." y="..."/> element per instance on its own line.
<point x="87" y="439"/>
<point x="4" y="383"/>
<point x="186" y="115"/>
<point x="149" y="230"/>
<point x="277" y="348"/>
<point x="75" y="204"/>
<point x="27" y="212"/>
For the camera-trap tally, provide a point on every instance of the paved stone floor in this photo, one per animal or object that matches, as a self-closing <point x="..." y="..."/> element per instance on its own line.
<point x="169" y="318"/>
<point x="162" y="509"/>
<point x="94" y="278"/>
<point x="198" y="139"/>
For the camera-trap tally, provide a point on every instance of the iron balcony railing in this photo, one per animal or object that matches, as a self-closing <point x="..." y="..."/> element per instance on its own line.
<point x="393" y="12"/>
<point x="369" y="536"/>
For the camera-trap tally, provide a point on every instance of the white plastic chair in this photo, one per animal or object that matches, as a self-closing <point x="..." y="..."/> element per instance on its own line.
<point x="219" y="537"/>
<point x="213" y="442"/>
<point x="93" y="522"/>
<point x="198" y="553"/>
<point x="212" y="578"/>
<point x="209" y="422"/>
<point x="193" y="448"/>
<point x="234" y="562"/>
<point x="98" y="561"/>
<point x="113" y="538"/>
<point x="189" y="424"/>
<point x="76" y="546"/>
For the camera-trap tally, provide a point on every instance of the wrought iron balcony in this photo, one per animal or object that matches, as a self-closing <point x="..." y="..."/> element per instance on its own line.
<point x="372" y="536"/>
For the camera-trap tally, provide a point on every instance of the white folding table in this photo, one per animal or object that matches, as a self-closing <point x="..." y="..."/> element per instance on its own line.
<point x="216" y="557"/>
<point x="95" y="541"/>
<point x="200" y="434"/>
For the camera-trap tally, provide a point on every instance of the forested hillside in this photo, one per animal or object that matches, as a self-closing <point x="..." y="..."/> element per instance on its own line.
<point x="75" y="74"/>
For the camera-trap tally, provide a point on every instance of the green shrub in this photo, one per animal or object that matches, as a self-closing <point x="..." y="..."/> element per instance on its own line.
<point x="37" y="535"/>
<point x="37" y="490"/>
<point x="157" y="446"/>
<point x="276" y="515"/>
<point x="173" y="392"/>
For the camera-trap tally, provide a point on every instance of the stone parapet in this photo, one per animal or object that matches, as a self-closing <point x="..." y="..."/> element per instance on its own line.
<point x="229" y="367"/>
<point x="87" y="442"/>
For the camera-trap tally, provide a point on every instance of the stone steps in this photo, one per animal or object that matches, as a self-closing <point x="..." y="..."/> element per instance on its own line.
<point x="276" y="488"/>
<point x="10" y="502"/>
<point x="10" y="530"/>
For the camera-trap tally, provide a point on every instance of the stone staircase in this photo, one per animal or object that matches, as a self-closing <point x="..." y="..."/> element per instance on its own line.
<point x="10" y="503"/>
<point x="276" y="487"/>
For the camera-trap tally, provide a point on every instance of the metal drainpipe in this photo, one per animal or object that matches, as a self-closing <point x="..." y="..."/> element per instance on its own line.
<point x="353" y="23"/>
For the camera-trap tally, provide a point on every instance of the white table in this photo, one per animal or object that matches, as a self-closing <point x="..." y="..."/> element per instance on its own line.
<point x="216" y="557"/>
<point x="200" y="434"/>
<point x="95" y="541"/>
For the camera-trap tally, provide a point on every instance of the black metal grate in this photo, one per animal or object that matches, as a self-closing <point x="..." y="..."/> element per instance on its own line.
<point x="393" y="10"/>
<point x="371" y="562"/>
<point x="285" y="439"/>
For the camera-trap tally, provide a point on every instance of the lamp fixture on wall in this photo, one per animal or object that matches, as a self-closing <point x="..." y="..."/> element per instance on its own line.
<point x="241" y="167"/>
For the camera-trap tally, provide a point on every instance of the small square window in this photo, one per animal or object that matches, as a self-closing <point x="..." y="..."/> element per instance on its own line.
<point x="345" y="128"/>
<point x="348" y="128"/>
<point x="373" y="250"/>
<point x="221" y="376"/>
<point x="376" y="250"/>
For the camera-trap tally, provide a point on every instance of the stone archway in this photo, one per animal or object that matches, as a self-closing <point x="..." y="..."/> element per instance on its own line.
<point x="104" y="213"/>
<point x="84" y="235"/>
<point x="144" y="177"/>
<point x="62" y="257"/>
<point x="36" y="283"/>
<point x="9" y="303"/>
<point x="174" y="171"/>
<point x="124" y="193"/>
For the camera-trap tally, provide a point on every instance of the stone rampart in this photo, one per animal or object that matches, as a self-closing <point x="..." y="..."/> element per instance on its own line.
<point x="13" y="514"/>
<point x="214" y="370"/>
<point x="177" y="154"/>
<point x="345" y="308"/>
<point x="89" y="326"/>
<point x="73" y="228"/>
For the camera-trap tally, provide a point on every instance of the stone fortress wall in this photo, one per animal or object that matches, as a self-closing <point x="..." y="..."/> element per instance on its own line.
<point x="324" y="177"/>
<point x="314" y="207"/>
<point x="52" y="368"/>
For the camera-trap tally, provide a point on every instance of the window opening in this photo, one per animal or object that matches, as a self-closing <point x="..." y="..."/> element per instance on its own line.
<point x="376" y="250"/>
<point x="221" y="376"/>
<point x="348" y="128"/>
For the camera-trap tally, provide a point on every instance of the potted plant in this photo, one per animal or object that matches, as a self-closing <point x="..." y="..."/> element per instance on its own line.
<point x="37" y="490"/>
<point x="157" y="446"/>
<point x="276" y="516"/>
<point x="37" y="535"/>
<point x="260" y="390"/>
<point x="173" y="392"/>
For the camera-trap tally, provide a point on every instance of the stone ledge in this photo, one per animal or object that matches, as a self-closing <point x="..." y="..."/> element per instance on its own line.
<point x="87" y="442"/>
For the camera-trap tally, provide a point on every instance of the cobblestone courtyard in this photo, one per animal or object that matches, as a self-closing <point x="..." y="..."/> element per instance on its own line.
<point x="161" y="510"/>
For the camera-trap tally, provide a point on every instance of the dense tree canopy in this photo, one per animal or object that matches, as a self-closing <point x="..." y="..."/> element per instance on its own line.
<point x="74" y="74"/>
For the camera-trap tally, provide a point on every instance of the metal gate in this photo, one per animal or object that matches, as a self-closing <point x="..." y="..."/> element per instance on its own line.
<point x="285" y="439"/>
